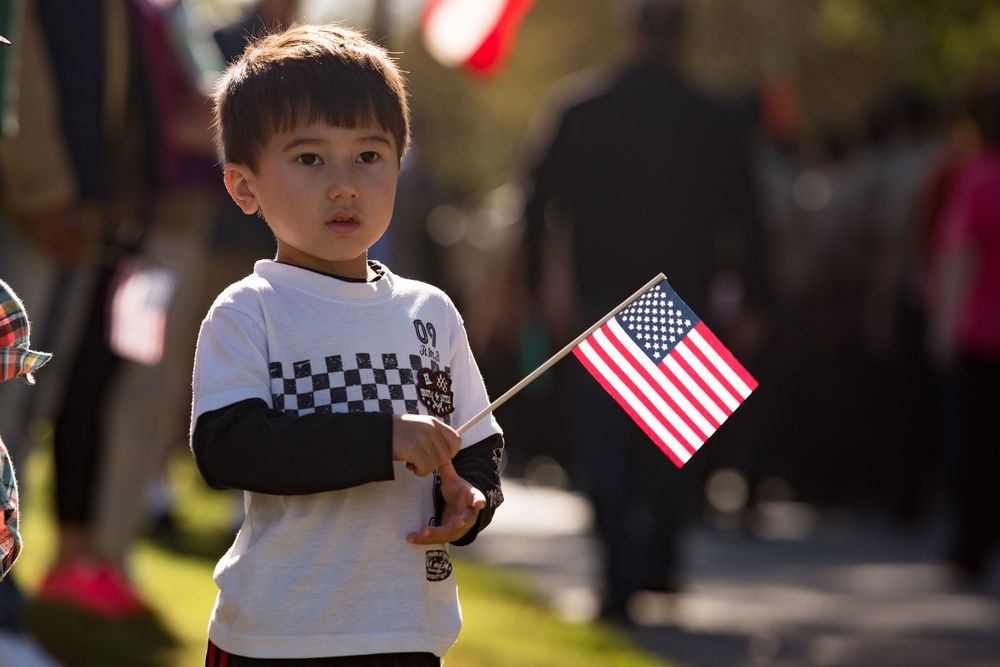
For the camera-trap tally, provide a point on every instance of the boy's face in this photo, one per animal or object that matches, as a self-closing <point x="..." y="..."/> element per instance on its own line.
<point x="326" y="192"/>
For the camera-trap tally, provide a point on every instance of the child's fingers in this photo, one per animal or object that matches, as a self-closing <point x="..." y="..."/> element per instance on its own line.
<point x="464" y="502"/>
<point x="442" y="444"/>
<point x="423" y="442"/>
<point x="427" y="536"/>
<point x="452" y="440"/>
<point x="476" y="498"/>
<point x="453" y="529"/>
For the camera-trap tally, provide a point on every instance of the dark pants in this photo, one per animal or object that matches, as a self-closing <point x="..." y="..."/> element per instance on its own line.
<point x="216" y="657"/>
<point x="79" y="422"/>
<point x="978" y="524"/>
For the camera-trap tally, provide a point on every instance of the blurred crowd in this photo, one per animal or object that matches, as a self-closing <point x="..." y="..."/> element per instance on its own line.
<point x="857" y="282"/>
<point x="853" y="271"/>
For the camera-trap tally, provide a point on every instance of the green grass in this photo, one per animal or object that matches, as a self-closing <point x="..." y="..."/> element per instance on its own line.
<point x="504" y="624"/>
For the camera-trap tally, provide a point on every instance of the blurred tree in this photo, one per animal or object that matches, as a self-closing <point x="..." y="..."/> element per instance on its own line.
<point x="936" y="45"/>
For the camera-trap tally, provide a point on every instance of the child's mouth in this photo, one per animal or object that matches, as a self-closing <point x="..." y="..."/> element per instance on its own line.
<point x="343" y="225"/>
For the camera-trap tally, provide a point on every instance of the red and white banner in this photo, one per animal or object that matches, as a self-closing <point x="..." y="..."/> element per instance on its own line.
<point x="475" y="34"/>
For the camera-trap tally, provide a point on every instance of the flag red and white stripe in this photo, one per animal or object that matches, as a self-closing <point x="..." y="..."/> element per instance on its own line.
<point x="475" y="34"/>
<point x="667" y="370"/>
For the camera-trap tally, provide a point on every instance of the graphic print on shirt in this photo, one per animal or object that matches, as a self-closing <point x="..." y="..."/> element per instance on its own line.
<point x="433" y="385"/>
<point x="434" y="389"/>
<point x="350" y="383"/>
<point x="494" y="497"/>
<point x="427" y="335"/>
<point x="438" y="565"/>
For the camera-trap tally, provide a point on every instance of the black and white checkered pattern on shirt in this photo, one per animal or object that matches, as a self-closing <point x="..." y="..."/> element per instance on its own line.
<point x="370" y="384"/>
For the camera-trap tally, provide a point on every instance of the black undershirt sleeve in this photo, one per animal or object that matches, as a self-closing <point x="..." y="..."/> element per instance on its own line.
<point x="479" y="464"/>
<point x="236" y="447"/>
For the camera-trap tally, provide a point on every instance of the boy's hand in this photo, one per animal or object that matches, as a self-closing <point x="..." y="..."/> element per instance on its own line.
<point x="462" y="503"/>
<point x="424" y="443"/>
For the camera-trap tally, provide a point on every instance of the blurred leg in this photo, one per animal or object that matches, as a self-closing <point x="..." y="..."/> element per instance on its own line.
<point x="148" y="406"/>
<point x="978" y="516"/>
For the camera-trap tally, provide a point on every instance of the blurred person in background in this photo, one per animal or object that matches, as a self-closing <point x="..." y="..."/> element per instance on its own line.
<point x="643" y="174"/>
<point x="965" y="332"/>
<point x="933" y="383"/>
<point x="147" y="402"/>
<point x="99" y="106"/>
<point x="906" y="144"/>
<point x="130" y="130"/>
<point x="34" y="196"/>
<point x="46" y="231"/>
<point x="17" y="360"/>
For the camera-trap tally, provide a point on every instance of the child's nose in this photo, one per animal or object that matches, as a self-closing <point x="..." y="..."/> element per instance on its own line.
<point x="343" y="184"/>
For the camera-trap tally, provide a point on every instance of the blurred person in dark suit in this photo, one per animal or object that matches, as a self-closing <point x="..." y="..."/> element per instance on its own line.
<point x="643" y="174"/>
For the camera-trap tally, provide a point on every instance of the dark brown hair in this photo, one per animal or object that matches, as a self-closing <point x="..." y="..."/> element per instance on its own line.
<point x="307" y="74"/>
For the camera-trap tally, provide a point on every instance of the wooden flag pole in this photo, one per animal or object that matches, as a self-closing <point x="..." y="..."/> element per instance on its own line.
<point x="558" y="355"/>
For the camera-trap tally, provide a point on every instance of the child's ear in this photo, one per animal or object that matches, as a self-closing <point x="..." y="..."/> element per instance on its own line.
<point x="240" y="184"/>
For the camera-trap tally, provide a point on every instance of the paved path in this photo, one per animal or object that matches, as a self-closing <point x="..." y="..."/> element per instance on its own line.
<point x="839" y="592"/>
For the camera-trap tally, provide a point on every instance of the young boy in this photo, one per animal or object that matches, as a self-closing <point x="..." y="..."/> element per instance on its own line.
<point x="326" y="387"/>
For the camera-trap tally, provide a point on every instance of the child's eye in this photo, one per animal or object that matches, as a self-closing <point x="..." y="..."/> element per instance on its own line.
<point x="368" y="157"/>
<point x="308" y="159"/>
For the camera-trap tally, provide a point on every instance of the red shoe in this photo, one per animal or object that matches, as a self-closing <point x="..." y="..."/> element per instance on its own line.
<point x="96" y="588"/>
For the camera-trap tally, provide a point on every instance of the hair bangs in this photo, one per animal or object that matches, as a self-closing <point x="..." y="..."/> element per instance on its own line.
<point x="314" y="75"/>
<point x="351" y="101"/>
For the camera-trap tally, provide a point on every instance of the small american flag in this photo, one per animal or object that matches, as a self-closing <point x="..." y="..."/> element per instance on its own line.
<point x="669" y="372"/>
<point x="140" y="300"/>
